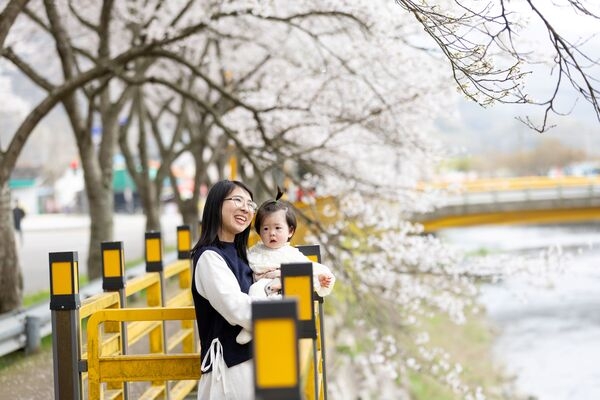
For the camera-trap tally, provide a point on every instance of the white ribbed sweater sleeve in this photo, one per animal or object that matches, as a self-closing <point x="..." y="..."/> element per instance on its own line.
<point x="216" y="283"/>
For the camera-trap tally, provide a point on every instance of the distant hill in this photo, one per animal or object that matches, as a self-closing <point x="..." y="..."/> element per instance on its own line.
<point x="477" y="130"/>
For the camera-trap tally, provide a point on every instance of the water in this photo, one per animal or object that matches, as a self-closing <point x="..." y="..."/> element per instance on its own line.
<point x="549" y="337"/>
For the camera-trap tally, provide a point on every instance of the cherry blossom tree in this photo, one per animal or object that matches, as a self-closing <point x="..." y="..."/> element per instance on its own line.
<point x="87" y="59"/>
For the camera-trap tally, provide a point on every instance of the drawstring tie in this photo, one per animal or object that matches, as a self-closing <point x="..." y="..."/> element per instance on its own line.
<point x="217" y="362"/>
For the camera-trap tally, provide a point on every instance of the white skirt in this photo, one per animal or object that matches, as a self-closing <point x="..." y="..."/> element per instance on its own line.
<point x="223" y="383"/>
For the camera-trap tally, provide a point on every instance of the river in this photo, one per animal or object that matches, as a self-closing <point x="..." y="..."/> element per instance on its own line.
<point x="549" y="335"/>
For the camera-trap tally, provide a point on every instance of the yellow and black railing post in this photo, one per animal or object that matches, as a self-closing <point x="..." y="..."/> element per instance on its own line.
<point x="64" y="306"/>
<point x="113" y="267"/>
<point x="154" y="261"/>
<point x="276" y="360"/>
<point x="184" y="242"/>
<point x="297" y="282"/>
<point x="113" y="280"/>
<point x="313" y="252"/>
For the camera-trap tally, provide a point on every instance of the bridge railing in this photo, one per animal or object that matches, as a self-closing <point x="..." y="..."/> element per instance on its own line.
<point x="525" y="199"/>
<point x="511" y="183"/>
<point x="103" y="350"/>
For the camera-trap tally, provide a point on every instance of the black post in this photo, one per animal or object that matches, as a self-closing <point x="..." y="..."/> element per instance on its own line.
<point x="66" y="346"/>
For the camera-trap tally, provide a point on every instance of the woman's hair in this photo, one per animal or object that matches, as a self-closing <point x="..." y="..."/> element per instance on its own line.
<point x="211" y="218"/>
<point x="271" y="206"/>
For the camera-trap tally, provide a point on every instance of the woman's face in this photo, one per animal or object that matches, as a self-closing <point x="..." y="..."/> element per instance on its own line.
<point x="235" y="219"/>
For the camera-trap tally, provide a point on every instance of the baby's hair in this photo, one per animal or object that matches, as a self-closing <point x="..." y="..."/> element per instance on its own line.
<point x="271" y="206"/>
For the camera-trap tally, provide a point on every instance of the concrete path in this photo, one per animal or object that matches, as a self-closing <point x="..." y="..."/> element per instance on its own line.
<point x="43" y="234"/>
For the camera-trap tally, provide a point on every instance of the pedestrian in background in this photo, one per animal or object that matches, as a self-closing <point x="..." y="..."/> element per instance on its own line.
<point x="18" y="215"/>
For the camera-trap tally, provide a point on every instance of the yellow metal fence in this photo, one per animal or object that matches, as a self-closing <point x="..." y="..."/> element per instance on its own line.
<point x="101" y="347"/>
<point x="512" y="183"/>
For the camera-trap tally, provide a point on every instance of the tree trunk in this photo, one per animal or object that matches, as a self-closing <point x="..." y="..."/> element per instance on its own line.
<point x="11" y="284"/>
<point x="191" y="217"/>
<point x="101" y="226"/>
<point x="150" y="204"/>
<point x="98" y="188"/>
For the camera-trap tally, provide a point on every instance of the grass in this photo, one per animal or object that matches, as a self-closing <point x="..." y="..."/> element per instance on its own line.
<point x="36" y="298"/>
<point x="469" y="345"/>
<point x="20" y="356"/>
<point x="480" y="252"/>
<point x="424" y="387"/>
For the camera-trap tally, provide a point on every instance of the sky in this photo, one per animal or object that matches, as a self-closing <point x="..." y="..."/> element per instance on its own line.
<point x="472" y="130"/>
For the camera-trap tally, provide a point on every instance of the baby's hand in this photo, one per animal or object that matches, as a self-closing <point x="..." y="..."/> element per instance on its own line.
<point x="324" y="280"/>
<point x="270" y="274"/>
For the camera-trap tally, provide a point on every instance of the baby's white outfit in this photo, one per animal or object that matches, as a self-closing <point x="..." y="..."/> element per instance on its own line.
<point x="263" y="259"/>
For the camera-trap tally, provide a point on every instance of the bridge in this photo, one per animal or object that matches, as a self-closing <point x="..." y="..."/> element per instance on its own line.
<point x="518" y="200"/>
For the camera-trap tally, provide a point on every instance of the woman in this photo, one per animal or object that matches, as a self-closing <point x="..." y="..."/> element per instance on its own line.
<point x="222" y="278"/>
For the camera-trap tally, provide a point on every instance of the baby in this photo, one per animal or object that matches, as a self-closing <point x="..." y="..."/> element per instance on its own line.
<point x="276" y="223"/>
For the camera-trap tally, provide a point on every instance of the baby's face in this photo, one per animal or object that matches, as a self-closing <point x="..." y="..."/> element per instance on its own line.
<point x="274" y="231"/>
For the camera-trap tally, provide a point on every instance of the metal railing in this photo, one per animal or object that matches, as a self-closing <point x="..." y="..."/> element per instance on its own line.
<point x="514" y="200"/>
<point x="511" y="183"/>
<point x="72" y="317"/>
<point x="24" y="329"/>
<point x="93" y="341"/>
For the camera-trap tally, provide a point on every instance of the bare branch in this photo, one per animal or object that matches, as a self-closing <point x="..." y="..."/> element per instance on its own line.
<point x="8" y="17"/>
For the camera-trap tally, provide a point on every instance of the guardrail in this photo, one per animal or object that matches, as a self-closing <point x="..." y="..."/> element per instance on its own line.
<point x="72" y="316"/>
<point x="24" y="329"/>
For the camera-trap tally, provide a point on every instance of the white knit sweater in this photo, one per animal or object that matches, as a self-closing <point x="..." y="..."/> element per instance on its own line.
<point x="262" y="259"/>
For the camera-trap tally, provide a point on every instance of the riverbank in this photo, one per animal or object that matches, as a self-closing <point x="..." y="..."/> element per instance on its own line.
<point x="548" y="326"/>
<point x="470" y="345"/>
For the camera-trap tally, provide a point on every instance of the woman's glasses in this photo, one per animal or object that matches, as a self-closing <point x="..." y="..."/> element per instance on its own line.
<point x="239" y="203"/>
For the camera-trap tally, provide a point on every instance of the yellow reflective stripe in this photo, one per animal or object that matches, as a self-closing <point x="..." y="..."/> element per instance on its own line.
<point x="275" y="346"/>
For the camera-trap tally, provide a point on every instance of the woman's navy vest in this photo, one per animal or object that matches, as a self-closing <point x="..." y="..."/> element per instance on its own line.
<point x="210" y="323"/>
